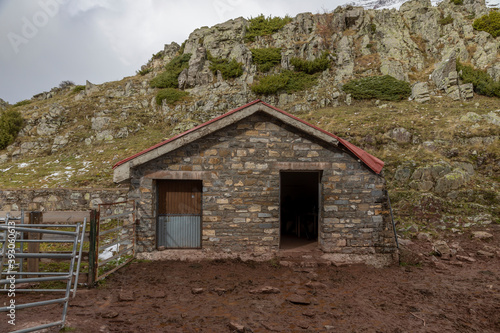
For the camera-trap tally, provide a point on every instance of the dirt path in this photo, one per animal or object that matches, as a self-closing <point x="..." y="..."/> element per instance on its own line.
<point x="425" y="295"/>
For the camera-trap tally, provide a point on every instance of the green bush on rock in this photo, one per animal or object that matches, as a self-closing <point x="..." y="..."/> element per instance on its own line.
<point x="262" y="26"/>
<point x="483" y="83"/>
<point x="489" y="23"/>
<point x="228" y="68"/>
<point x="11" y="123"/>
<point x="266" y="58"/>
<point x="310" y="67"/>
<point x="170" y="95"/>
<point x="168" y="79"/>
<point x="77" y="89"/>
<point x="378" y="87"/>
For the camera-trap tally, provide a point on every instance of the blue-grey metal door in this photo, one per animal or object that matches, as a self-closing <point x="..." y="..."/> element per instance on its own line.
<point x="179" y="231"/>
<point x="179" y="218"/>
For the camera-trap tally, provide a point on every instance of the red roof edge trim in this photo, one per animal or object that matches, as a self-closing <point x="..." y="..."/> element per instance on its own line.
<point x="185" y="133"/>
<point x="371" y="161"/>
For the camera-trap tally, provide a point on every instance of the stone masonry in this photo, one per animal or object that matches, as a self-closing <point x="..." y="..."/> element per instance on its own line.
<point x="61" y="199"/>
<point x="240" y="167"/>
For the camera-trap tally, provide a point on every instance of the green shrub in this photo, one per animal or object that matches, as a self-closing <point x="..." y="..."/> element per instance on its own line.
<point x="446" y="20"/>
<point x="170" y="95"/>
<point x="158" y="55"/>
<point x="168" y="78"/>
<point x="21" y="103"/>
<point x="165" y="80"/>
<point x="11" y="123"/>
<point x="77" y="89"/>
<point x="266" y="58"/>
<point x="483" y="83"/>
<point x="378" y="87"/>
<point x="287" y="81"/>
<point x="457" y="2"/>
<point x="269" y="85"/>
<point x="228" y="68"/>
<point x="310" y="67"/>
<point x="489" y="23"/>
<point x="263" y="26"/>
<point x="372" y="27"/>
<point x="144" y="71"/>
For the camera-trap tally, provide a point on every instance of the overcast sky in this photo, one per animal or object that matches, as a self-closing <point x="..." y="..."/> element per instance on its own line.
<point x="43" y="42"/>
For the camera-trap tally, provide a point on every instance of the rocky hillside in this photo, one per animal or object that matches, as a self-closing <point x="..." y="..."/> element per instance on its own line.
<point x="388" y="4"/>
<point x="441" y="146"/>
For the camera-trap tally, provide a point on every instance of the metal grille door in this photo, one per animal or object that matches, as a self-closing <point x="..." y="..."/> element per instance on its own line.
<point x="179" y="218"/>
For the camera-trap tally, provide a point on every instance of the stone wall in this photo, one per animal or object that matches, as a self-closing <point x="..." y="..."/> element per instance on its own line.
<point x="58" y="199"/>
<point x="240" y="169"/>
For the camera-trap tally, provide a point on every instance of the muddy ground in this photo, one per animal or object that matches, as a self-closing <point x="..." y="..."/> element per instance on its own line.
<point x="423" y="294"/>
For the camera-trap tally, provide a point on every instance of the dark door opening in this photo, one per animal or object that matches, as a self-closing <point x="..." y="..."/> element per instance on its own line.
<point x="299" y="207"/>
<point x="179" y="213"/>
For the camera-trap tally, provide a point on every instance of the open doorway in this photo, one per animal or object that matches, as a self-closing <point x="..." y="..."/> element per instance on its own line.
<point x="299" y="208"/>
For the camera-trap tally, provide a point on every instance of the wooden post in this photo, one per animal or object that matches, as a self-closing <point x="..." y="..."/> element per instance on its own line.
<point x="92" y="248"/>
<point x="35" y="218"/>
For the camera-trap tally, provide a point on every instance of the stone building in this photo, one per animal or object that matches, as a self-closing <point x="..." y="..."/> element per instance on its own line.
<point x="256" y="180"/>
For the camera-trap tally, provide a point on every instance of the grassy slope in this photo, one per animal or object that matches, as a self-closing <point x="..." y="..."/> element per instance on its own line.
<point x="78" y="164"/>
<point x="364" y="124"/>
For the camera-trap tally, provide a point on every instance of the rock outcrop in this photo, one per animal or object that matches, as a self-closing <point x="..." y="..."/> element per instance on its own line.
<point x="3" y="104"/>
<point x="404" y="44"/>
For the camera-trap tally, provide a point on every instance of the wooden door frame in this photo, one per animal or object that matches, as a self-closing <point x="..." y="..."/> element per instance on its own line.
<point x="320" y="201"/>
<point x="157" y="210"/>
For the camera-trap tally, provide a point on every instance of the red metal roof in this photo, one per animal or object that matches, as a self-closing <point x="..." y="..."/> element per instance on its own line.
<point x="371" y="161"/>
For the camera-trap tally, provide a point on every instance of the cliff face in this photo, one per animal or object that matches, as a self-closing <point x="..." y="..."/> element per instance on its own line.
<point x="406" y="44"/>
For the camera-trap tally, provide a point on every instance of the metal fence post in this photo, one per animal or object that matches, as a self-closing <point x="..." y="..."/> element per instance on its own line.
<point x="92" y="248"/>
<point x="33" y="263"/>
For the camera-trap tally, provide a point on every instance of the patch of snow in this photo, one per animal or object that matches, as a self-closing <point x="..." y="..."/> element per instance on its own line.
<point x="390" y="4"/>
<point x="493" y="3"/>
<point x="108" y="252"/>
<point x="22" y="165"/>
<point x="5" y="170"/>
